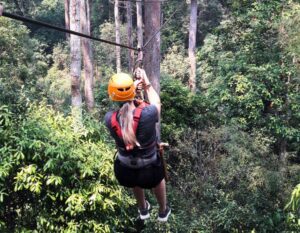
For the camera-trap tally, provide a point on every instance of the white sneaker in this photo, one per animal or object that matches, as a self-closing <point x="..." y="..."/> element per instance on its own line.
<point x="144" y="213"/>
<point x="163" y="217"/>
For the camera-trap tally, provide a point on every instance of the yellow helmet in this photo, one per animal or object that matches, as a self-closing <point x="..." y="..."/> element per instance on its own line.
<point x="121" y="87"/>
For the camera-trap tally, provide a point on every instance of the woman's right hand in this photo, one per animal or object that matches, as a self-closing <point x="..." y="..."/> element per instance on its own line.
<point x="138" y="73"/>
<point x="152" y="95"/>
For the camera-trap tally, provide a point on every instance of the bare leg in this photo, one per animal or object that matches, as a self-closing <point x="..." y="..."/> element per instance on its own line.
<point x="160" y="194"/>
<point x="140" y="197"/>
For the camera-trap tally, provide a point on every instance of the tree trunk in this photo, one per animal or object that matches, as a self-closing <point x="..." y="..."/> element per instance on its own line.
<point x="75" y="55"/>
<point x="87" y="54"/>
<point x="117" y="25"/>
<point x="282" y="150"/>
<point x="152" y="51"/>
<point x="192" y="45"/>
<point x="67" y="17"/>
<point x="129" y="37"/>
<point x="286" y="111"/>
<point x="1" y="9"/>
<point x="139" y="18"/>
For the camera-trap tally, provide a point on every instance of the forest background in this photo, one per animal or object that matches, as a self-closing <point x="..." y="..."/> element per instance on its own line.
<point x="234" y="155"/>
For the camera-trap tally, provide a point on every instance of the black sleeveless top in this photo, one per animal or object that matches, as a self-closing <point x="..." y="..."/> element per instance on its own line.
<point x="145" y="134"/>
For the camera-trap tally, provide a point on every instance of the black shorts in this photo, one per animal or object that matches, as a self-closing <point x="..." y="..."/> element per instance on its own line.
<point x="147" y="177"/>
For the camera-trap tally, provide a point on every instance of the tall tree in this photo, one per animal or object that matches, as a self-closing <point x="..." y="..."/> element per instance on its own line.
<point x="152" y="50"/>
<point x="75" y="54"/>
<point x="139" y="18"/>
<point x="129" y="35"/>
<point x="67" y="17"/>
<point x="192" y="44"/>
<point x="87" y="53"/>
<point x="117" y="29"/>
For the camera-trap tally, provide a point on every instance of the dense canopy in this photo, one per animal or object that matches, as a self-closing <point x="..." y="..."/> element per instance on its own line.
<point x="229" y="81"/>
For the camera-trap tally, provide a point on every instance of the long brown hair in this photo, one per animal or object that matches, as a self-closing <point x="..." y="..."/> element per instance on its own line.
<point x="126" y="123"/>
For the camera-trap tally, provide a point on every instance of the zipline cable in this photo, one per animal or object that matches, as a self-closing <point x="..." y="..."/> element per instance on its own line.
<point x="163" y="25"/>
<point x="32" y="21"/>
<point x="24" y="19"/>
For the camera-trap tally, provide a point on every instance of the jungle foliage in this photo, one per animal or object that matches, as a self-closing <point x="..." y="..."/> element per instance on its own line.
<point x="234" y="156"/>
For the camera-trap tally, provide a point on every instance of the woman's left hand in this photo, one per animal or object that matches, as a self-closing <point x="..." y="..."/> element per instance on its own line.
<point x="138" y="84"/>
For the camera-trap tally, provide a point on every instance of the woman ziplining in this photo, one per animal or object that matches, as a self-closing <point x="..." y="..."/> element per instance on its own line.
<point x="137" y="165"/>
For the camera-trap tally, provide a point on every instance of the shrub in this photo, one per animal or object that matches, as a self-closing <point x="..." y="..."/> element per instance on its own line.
<point x="54" y="179"/>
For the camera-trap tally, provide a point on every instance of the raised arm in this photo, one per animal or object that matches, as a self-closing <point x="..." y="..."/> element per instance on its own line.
<point x="153" y="97"/>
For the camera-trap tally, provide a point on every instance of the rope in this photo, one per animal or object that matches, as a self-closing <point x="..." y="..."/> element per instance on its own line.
<point x="164" y="24"/>
<point x="24" y="19"/>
